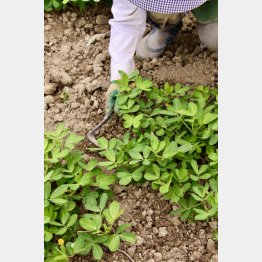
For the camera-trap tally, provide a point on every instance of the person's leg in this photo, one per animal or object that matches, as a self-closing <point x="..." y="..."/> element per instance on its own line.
<point x="165" y="27"/>
<point x="207" y="26"/>
<point x="208" y="35"/>
<point x="127" y="28"/>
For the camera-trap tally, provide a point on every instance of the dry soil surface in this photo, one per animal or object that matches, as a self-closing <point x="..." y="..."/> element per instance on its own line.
<point x="76" y="78"/>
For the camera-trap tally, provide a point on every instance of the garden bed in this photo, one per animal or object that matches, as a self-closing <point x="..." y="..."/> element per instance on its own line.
<point x="76" y="78"/>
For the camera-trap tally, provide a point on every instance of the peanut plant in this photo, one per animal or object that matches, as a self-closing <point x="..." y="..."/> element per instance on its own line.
<point x="78" y="215"/>
<point x="171" y="141"/>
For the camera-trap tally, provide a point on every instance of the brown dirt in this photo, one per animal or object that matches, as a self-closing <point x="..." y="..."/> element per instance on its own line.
<point x="76" y="78"/>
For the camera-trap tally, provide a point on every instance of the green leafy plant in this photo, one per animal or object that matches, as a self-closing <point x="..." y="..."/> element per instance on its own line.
<point x="57" y="5"/>
<point x="78" y="217"/>
<point x="171" y="141"/>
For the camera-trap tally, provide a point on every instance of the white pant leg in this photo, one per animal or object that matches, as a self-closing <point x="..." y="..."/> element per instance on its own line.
<point x="127" y="29"/>
<point x="208" y="34"/>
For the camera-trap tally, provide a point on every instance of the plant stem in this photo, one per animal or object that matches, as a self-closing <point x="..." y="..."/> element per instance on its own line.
<point x="123" y="252"/>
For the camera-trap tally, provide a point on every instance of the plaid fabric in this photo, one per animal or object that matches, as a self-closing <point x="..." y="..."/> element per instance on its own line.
<point x="168" y="6"/>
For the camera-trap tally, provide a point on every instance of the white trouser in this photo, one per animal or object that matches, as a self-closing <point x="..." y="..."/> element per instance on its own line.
<point x="127" y="29"/>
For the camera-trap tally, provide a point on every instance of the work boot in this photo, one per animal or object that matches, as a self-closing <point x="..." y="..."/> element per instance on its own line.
<point x="153" y="44"/>
<point x="161" y="35"/>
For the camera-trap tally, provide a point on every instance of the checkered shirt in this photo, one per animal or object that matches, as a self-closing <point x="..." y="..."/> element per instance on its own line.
<point x="168" y="6"/>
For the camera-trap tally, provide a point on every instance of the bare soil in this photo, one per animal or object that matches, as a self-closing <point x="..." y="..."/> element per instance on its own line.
<point x="76" y="78"/>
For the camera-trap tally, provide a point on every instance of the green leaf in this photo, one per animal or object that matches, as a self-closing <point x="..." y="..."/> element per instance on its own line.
<point x="128" y="237"/>
<point x="156" y="170"/>
<point x="88" y="224"/>
<point x="170" y="151"/>
<point x="154" y="142"/>
<point x="85" y="179"/>
<point x="205" y="176"/>
<point x="103" y="181"/>
<point x="185" y="214"/>
<point x="150" y="177"/>
<point x="64" y="215"/>
<point x="203" y="169"/>
<point x="194" y="165"/>
<point x="137" y="174"/>
<point x="101" y="239"/>
<point x="213" y="184"/>
<point x="213" y="139"/>
<point x="59" y="191"/>
<point x="71" y="221"/>
<point x="47" y="190"/>
<point x="61" y="231"/>
<point x="91" y="164"/>
<point x="146" y="162"/>
<point x="136" y="121"/>
<point x="135" y="155"/>
<point x="59" y="201"/>
<point x="110" y="155"/>
<point x="72" y="140"/>
<point x="102" y="142"/>
<point x="209" y="117"/>
<point x="185" y="148"/>
<point x="114" y="209"/>
<point x="128" y="121"/>
<point x="184" y="112"/>
<point x="164" y="189"/>
<point x="97" y="251"/>
<point x="125" y="180"/>
<point x="78" y="245"/>
<point x="146" y="151"/>
<point x="114" y="243"/>
<point x="202" y="216"/>
<point x="197" y="190"/>
<point x="192" y="107"/>
<point x="103" y="200"/>
<point x="122" y="228"/>
<point x="48" y="236"/>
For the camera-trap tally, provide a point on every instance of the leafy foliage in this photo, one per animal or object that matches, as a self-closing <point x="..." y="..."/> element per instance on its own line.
<point x="171" y="142"/>
<point x="78" y="218"/>
<point x="57" y="5"/>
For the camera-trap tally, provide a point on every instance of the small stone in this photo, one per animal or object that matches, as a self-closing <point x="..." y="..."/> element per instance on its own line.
<point x="150" y="212"/>
<point x="158" y="256"/>
<point x="68" y="32"/>
<point x="162" y="232"/>
<point x="80" y="88"/>
<point x="60" y="76"/>
<point x="49" y="100"/>
<point x="144" y="213"/>
<point x="50" y="88"/>
<point x="101" y="20"/>
<point x="131" y="251"/>
<point x="213" y="225"/>
<point x="211" y="247"/>
<point x="58" y="118"/>
<point x="174" y="220"/>
<point x="118" y="189"/>
<point x="99" y="111"/>
<point x="214" y="56"/>
<point x="169" y="54"/>
<point x="214" y="258"/>
<point x="195" y="256"/>
<point x="139" y="241"/>
<point x="96" y="104"/>
<point x="48" y="27"/>
<point x="155" y="230"/>
<point x="75" y="105"/>
<point x="151" y="260"/>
